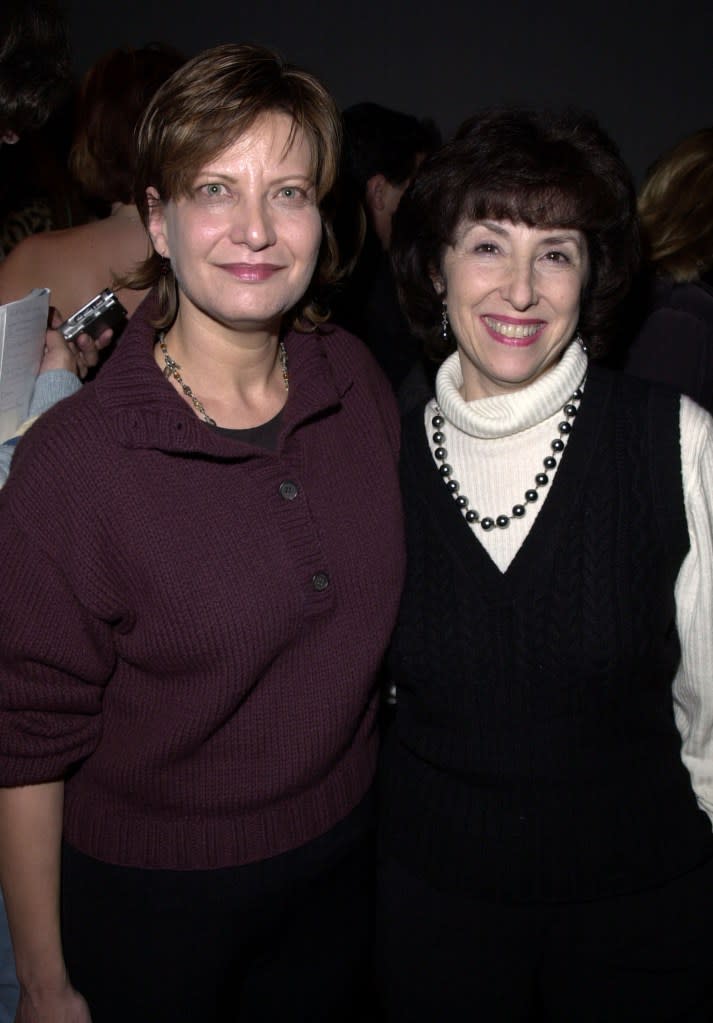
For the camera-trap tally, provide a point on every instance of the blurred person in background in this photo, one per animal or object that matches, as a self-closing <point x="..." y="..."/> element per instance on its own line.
<point x="674" y="345"/>
<point x="79" y="262"/>
<point x="34" y="79"/>
<point x="382" y="150"/>
<point x="35" y="85"/>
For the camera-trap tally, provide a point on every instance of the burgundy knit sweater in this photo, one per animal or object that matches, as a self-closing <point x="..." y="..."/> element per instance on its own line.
<point x="190" y="626"/>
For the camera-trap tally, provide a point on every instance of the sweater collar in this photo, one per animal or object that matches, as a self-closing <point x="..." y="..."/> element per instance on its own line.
<point x="507" y="414"/>
<point x="146" y="412"/>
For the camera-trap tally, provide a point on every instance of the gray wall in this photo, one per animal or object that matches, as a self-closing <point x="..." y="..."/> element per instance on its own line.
<point x="645" y="68"/>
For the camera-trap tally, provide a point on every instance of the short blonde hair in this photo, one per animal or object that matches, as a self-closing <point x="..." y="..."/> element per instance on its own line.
<point x="676" y="209"/>
<point x="204" y="108"/>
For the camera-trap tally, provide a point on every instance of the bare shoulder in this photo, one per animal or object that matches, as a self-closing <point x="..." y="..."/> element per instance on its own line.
<point x="24" y="267"/>
<point x="75" y="263"/>
<point x="45" y="260"/>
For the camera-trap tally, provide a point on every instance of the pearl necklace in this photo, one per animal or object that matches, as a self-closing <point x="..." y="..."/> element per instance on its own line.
<point x="172" y="368"/>
<point x="487" y="523"/>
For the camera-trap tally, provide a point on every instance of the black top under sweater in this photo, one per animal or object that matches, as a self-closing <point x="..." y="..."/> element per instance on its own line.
<point x="534" y="753"/>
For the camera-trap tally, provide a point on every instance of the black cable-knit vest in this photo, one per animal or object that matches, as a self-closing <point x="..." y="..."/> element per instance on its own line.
<point x="534" y="753"/>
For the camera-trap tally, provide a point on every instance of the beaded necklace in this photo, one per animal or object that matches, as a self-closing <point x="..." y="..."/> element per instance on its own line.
<point x="542" y="479"/>
<point x="172" y="368"/>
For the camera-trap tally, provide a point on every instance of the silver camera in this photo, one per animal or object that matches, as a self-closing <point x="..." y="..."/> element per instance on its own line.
<point x="103" y="311"/>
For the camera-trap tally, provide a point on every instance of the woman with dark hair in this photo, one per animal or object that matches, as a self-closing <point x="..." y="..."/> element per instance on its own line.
<point x="35" y="65"/>
<point x="36" y="192"/>
<point x="547" y="784"/>
<point x="199" y="582"/>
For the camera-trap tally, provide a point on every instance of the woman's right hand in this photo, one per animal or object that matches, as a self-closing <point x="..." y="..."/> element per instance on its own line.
<point x="78" y="355"/>
<point x="63" y="1006"/>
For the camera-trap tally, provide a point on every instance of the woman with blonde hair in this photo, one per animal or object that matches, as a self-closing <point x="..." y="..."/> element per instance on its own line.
<point x="675" y="342"/>
<point x="195" y="608"/>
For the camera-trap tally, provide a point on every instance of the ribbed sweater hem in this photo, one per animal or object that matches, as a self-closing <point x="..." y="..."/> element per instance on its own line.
<point x="112" y="833"/>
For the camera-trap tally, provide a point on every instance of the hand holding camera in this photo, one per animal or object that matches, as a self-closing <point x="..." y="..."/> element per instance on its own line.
<point x="80" y="351"/>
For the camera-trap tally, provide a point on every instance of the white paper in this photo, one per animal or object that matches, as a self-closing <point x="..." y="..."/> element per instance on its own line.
<point x="22" y="341"/>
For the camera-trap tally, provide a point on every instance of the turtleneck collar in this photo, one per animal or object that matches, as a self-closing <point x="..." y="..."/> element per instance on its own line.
<point x="507" y="414"/>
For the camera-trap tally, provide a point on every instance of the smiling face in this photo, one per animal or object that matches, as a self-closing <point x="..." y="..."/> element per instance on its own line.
<point x="244" y="243"/>
<point x="513" y="295"/>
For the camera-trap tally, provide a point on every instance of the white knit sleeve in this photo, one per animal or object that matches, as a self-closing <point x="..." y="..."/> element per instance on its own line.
<point x="693" y="684"/>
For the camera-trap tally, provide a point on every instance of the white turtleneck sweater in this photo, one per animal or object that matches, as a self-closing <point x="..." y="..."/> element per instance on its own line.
<point x="497" y="445"/>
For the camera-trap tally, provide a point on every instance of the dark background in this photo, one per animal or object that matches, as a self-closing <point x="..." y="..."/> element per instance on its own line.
<point x="645" y="69"/>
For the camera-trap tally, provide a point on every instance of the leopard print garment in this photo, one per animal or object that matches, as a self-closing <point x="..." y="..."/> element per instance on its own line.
<point x="35" y="216"/>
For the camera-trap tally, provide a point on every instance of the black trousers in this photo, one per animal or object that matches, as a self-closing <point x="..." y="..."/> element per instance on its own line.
<point x="288" y="939"/>
<point x="642" y="958"/>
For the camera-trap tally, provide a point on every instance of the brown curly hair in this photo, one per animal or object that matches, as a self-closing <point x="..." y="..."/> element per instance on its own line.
<point x="524" y="166"/>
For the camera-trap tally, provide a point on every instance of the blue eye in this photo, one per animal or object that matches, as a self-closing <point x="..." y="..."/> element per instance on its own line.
<point x="294" y="195"/>
<point x="212" y="190"/>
